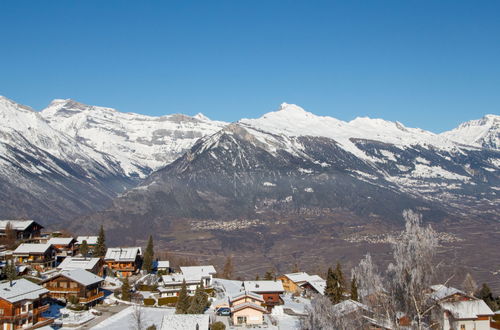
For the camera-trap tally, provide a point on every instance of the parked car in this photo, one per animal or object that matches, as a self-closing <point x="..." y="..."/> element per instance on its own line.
<point x="224" y="311"/>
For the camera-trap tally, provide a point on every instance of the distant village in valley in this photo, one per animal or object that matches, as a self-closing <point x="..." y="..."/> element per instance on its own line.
<point x="52" y="280"/>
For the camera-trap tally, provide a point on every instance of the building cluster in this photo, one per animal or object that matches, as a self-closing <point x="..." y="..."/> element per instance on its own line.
<point x="52" y="268"/>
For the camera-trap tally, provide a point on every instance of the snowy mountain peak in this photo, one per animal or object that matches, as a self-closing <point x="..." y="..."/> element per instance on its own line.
<point x="484" y="132"/>
<point x="201" y="116"/>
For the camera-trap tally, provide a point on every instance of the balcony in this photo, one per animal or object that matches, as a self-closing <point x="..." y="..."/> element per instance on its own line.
<point x="92" y="298"/>
<point x="63" y="290"/>
<point x="42" y="321"/>
<point x="43" y="308"/>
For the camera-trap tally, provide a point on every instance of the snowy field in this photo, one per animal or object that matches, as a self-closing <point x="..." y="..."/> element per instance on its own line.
<point x="125" y="319"/>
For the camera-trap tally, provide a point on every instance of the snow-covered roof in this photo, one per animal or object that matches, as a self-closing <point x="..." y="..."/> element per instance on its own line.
<point x="349" y="306"/>
<point x="185" y="321"/>
<point x="239" y="307"/>
<point x="318" y="285"/>
<point x="16" y="224"/>
<point x="467" y="309"/>
<point x="78" y="275"/>
<point x="246" y="294"/>
<point x="263" y="286"/>
<point x="60" y="240"/>
<point x="78" y="263"/>
<point x="193" y="273"/>
<point x="26" y="248"/>
<point x="298" y="277"/>
<point x="123" y="254"/>
<point x="441" y="292"/>
<point x="21" y="289"/>
<point x="177" y="278"/>
<point x="163" y="264"/>
<point x="91" y="240"/>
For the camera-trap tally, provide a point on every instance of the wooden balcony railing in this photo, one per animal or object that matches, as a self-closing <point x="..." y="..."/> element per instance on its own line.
<point x="42" y="321"/>
<point x="92" y="298"/>
<point x="62" y="290"/>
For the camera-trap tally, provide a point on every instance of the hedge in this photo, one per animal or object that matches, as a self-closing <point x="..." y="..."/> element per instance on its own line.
<point x="149" y="301"/>
<point x="167" y="300"/>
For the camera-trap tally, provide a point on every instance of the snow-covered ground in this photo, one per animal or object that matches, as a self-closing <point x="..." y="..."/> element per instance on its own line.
<point x="126" y="319"/>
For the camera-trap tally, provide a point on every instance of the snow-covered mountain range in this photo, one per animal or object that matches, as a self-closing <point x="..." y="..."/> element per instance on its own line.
<point x="140" y="144"/>
<point x="289" y="157"/>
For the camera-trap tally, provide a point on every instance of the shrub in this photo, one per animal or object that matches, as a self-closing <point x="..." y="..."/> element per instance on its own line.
<point x="218" y="326"/>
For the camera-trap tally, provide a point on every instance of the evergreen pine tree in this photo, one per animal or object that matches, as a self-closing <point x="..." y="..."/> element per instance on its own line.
<point x="10" y="271"/>
<point x="100" y="248"/>
<point x="126" y="289"/>
<point x="354" y="289"/>
<point x="199" y="301"/>
<point x="330" y="284"/>
<point x="84" y="249"/>
<point x="339" y="286"/>
<point x="487" y="296"/>
<point x="147" y="264"/>
<point x="183" y="300"/>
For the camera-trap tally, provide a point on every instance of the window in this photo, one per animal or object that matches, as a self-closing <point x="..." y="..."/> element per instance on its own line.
<point x="462" y="327"/>
<point x="242" y="319"/>
<point x="1" y="311"/>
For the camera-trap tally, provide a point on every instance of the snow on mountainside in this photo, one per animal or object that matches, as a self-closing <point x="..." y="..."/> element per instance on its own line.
<point x="46" y="173"/>
<point x="484" y="132"/>
<point x="292" y="120"/>
<point x="140" y="143"/>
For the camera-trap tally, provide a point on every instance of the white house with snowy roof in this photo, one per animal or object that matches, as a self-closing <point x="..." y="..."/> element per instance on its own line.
<point x="192" y="275"/>
<point x="466" y="314"/>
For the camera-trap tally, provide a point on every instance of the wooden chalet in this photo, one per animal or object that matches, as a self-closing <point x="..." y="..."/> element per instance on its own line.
<point x="24" y="229"/>
<point x="78" y="283"/>
<point x="270" y="291"/>
<point x="22" y="305"/>
<point x="123" y="261"/>
<point x="38" y="256"/>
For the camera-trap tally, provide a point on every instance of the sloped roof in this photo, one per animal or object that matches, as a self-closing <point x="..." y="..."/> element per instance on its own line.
<point x="26" y="248"/>
<point x="467" y="309"/>
<point x="60" y="240"/>
<point x="348" y="306"/>
<point x="318" y="285"/>
<point x="91" y="240"/>
<point x="16" y="224"/>
<point x="248" y="305"/>
<point x="244" y="294"/>
<point x="195" y="273"/>
<point x="21" y="289"/>
<point x="298" y="277"/>
<point x="78" y="263"/>
<point x="78" y="275"/>
<point x="122" y="254"/>
<point x="263" y="286"/>
<point x="185" y="321"/>
<point x="441" y="292"/>
<point x="163" y="264"/>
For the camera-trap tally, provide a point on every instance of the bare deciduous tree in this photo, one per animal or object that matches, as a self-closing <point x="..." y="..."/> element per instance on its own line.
<point x="469" y="285"/>
<point x="138" y="318"/>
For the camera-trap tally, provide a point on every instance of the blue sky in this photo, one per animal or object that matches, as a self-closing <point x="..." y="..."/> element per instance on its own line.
<point x="428" y="64"/>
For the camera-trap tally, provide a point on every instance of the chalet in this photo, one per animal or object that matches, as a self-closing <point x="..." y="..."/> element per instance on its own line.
<point x="78" y="283"/>
<point x="302" y="282"/>
<point x="246" y="308"/>
<point x="21" y="305"/>
<point x="163" y="266"/>
<point x="466" y="314"/>
<point x="199" y="273"/>
<point x="269" y="290"/>
<point x="123" y="261"/>
<point x="24" y="229"/>
<point x="93" y="265"/>
<point x="65" y="246"/>
<point x="193" y="275"/>
<point x="38" y="256"/>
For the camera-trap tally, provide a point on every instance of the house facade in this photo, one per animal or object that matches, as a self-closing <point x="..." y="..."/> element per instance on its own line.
<point x="124" y="262"/>
<point x="78" y="283"/>
<point x="38" y="256"/>
<point x="22" y="305"/>
<point x="302" y="282"/>
<point x="246" y="309"/>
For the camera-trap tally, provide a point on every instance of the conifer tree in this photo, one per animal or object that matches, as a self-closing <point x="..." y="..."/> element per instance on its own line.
<point x="354" y="289"/>
<point x="269" y="275"/>
<point x="147" y="264"/>
<point x="487" y="296"/>
<point x="126" y="289"/>
<point x="199" y="301"/>
<point x="330" y="283"/>
<point x="100" y="248"/>
<point x="10" y="271"/>
<point x="227" y="272"/>
<point x="84" y="249"/>
<point x="339" y="286"/>
<point x="182" y="305"/>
